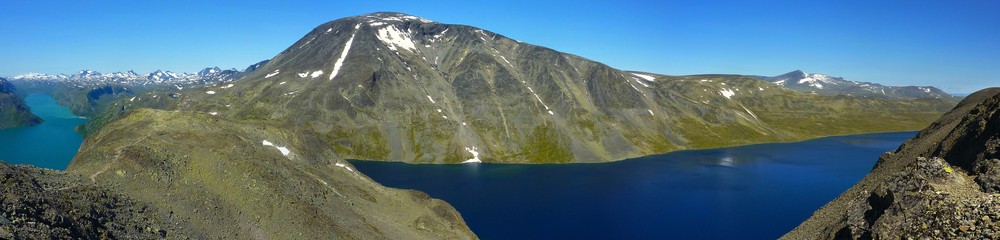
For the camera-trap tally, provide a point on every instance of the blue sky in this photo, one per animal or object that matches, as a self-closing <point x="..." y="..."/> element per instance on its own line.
<point x="954" y="45"/>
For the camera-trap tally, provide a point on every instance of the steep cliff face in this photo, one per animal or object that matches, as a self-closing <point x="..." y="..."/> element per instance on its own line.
<point x="13" y="111"/>
<point x="941" y="184"/>
<point x="253" y="180"/>
<point x="390" y="86"/>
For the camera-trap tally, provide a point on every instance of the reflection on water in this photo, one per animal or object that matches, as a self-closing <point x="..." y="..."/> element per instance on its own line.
<point x="749" y="192"/>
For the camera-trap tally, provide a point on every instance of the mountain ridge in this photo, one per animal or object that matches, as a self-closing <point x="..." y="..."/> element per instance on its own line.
<point x="399" y="87"/>
<point x="14" y="112"/>
<point x="832" y="86"/>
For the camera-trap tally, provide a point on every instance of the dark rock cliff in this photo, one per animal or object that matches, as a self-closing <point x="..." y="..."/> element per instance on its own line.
<point x="942" y="184"/>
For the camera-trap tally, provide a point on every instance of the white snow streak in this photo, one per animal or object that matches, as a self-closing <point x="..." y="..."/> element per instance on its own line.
<point x="344" y="166"/>
<point x="273" y="73"/>
<point x="343" y="54"/>
<point x="283" y="150"/>
<point x="646" y="77"/>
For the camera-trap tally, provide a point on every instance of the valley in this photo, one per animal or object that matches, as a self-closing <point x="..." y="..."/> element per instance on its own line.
<point x="392" y="126"/>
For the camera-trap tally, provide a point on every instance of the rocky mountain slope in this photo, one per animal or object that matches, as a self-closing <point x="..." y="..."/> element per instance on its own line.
<point x="835" y="86"/>
<point x="391" y="86"/>
<point x="252" y="180"/>
<point x="942" y="184"/>
<point x="13" y="111"/>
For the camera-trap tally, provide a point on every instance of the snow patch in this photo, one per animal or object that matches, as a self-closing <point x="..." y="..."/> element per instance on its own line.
<point x="395" y="38"/>
<point x="214" y="113"/>
<point x="303" y="74"/>
<point x="316" y="74"/>
<point x="228" y="86"/>
<point x="283" y="150"/>
<point x="273" y="73"/>
<point x="344" y="166"/>
<point x="650" y="112"/>
<point x="343" y="54"/>
<point x="645" y="77"/>
<point x="475" y="155"/>
<point x="727" y="93"/>
<point x="640" y="82"/>
<point x="432" y="99"/>
<point x="210" y="92"/>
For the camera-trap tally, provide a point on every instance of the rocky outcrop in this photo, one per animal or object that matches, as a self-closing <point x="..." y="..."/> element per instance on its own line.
<point x="37" y="203"/>
<point x="942" y="184"/>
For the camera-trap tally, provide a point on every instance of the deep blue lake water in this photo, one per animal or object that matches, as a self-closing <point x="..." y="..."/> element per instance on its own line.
<point x="748" y="192"/>
<point x="51" y="144"/>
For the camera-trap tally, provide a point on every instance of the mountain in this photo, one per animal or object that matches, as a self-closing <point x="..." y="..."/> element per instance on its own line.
<point x="13" y="111"/>
<point x="834" y="86"/>
<point x="252" y="180"/>
<point x="391" y="86"/>
<point x="942" y="184"/>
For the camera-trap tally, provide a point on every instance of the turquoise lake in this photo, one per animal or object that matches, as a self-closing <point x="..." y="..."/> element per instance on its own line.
<point x="51" y="144"/>
<point x="748" y="192"/>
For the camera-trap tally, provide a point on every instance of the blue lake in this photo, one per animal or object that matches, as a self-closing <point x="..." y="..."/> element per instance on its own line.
<point x="748" y="192"/>
<point x="51" y="144"/>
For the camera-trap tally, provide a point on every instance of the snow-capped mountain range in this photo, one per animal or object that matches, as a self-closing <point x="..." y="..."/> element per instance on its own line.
<point x="829" y="85"/>
<point x="89" y="77"/>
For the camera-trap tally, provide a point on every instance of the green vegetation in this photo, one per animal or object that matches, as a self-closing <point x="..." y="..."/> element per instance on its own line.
<point x="13" y="111"/>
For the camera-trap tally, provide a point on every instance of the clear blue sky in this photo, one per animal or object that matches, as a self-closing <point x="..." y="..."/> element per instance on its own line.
<point x="954" y="45"/>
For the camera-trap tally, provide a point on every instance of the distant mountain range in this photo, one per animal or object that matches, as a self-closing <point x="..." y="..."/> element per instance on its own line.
<point x="834" y="86"/>
<point x="158" y="77"/>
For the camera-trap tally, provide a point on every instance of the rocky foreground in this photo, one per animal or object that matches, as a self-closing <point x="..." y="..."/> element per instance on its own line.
<point x="44" y="204"/>
<point x="943" y="184"/>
